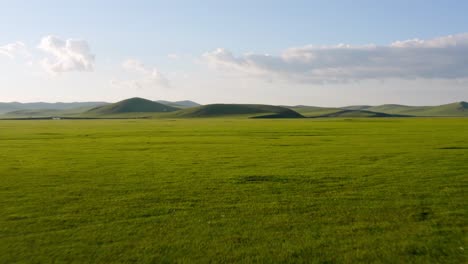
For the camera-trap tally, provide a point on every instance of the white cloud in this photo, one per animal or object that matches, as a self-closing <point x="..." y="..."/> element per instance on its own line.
<point x="146" y="76"/>
<point x="439" y="58"/>
<point x="66" y="55"/>
<point x="133" y="65"/>
<point x="15" y="50"/>
<point x="441" y="42"/>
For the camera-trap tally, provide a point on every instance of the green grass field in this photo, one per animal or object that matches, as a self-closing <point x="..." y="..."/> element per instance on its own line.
<point x="234" y="190"/>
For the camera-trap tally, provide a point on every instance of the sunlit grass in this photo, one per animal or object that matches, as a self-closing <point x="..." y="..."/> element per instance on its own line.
<point x="225" y="190"/>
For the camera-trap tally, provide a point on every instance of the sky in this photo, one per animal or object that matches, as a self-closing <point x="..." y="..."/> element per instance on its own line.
<point x="324" y="53"/>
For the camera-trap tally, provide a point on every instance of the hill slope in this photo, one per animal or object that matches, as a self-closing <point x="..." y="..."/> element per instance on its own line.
<point x="245" y="110"/>
<point x="179" y="104"/>
<point x="359" y="113"/>
<point x="314" y="111"/>
<point x="356" y="107"/>
<point x="454" y="109"/>
<point x="132" y="105"/>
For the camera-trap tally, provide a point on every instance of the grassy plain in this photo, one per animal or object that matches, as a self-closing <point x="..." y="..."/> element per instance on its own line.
<point x="234" y="190"/>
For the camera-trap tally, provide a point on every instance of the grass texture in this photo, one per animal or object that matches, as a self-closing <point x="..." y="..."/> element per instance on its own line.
<point x="234" y="190"/>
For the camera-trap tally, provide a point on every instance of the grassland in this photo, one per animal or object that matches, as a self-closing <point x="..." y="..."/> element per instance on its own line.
<point x="234" y="190"/>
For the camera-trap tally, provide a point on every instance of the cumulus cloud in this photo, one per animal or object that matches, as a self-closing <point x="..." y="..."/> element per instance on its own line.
<point x="15" y="50"/>
<point x="66" y="55"/>
<point x="439" y="58"/>
<point x="146" y="76"/>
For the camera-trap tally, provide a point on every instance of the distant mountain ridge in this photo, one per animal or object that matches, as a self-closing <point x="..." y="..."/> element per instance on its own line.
<point x="14" y="106"/>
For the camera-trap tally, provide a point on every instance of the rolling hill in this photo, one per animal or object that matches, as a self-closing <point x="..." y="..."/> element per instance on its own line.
<point x="314" y="111"/>
<point x="132" y="105"/>
<point x="359" y="113"/>
<point x="454" y="109"/>
<point x="387" y="110"/>
<point x="179" y="104"/>
<point x="356" y="107"/>
<point x="353" y="111"/>
<point x="244" y="110"/>
<point x="139" y="107"/>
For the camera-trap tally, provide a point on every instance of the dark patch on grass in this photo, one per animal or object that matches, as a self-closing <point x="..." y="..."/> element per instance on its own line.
<point x="416" y="250"/>
<point x="260" y="179"/>
<point x="424" y="214"/>
<point x="454" y="147"/>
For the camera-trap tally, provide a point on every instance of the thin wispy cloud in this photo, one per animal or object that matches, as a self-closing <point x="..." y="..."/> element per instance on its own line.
<point x="144" y="76"/>
<point x="439" y="58"/>
<point x="66" y="55"/>
<point x="15" y="50"/>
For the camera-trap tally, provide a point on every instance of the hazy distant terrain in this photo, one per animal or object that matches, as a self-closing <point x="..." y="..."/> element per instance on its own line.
<point x="14" y="106"/>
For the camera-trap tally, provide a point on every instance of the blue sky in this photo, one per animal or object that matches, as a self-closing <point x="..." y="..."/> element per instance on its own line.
<point x="167" y="50"/>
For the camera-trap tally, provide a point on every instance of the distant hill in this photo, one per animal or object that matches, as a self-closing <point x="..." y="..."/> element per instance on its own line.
<point x="454" y="109"/>
<point x="355" y="111"/>
<point x="14" y="106"/>
<point x="143" y="108"/>
<point x="132" y="105"/>
<point x="397" y="109"/>
<point x="356" y="107"/>
<point x="33" y="113"/>
<point x="314" y="111"/>
<point x="246" y="110"/>
<point x="179" y="104"/>
<point x="359" y="113"/>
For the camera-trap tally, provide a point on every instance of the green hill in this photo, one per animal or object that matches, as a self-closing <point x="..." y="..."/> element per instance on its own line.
<point x="314" y="111"/>
<point x="454" y="109"/>
<point x="397" y="109"/>
<point x="356" y="107"/>
<point x="180" y="104"/>
<point x="244" y="110"/>
<point x="359" y="113"/>
<point x="132" y="105"/>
